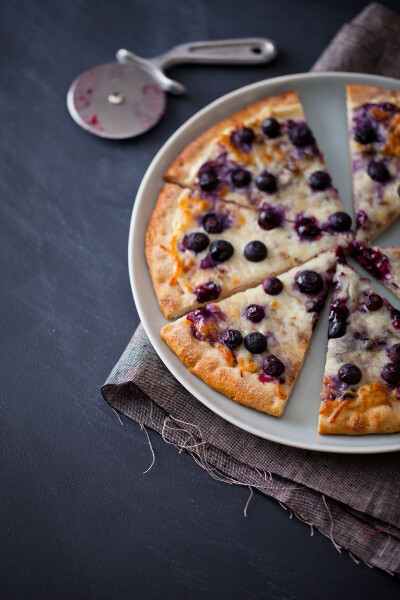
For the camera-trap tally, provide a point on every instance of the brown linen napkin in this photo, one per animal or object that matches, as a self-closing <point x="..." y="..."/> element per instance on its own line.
<point x="353" y="500"/>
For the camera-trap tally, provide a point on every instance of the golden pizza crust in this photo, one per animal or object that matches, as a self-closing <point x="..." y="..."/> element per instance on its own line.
<point x="362" y="94"/>
<point x="158" y="250"/>
<point x="287" y="105"/>
<point x="373" y="409"/>
<point x="210" y="364"/>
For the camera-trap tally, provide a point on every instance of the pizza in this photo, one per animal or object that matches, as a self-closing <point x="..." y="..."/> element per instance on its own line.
<point x="264" y="154"/>
<point x="201" y="250"/>
<point x="248" y="199"/>
<point x="382" y="263"/>
<point x="242" y="248"/>
<point x="374" y="131"/>
<point x="361" y="384"/>
<point x="251" y="346"/>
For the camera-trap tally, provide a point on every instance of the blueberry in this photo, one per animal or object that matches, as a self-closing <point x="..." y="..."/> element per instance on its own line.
<point x="395" y="314"/>
<point x="373" y="302"/>
<point x="268" y="219"/>
<point x="254" y="312"/>
<point x="350" y="373"/>
<point x="271" y="128"/>
<point x="300" y="135"/>
<point x="196" y="241"/>
<point x="378" y="171"/>
<point x="320" y="180"/>
<point x="361" y="219"/>
<point x="207" y="291"/>
<point x="394" y="353"/>
<point x="336" y="329"/>
<point x="232" y="338"/>
<point x="212" y="223"/>
<point x="221" y="250"/>
<point x="365" y="134"/>
<point x="337" y="322"/>
<point x="255" y="342"/>
<point x="273" y="366"/>
<point x="246" y="135"/>
<point x="272" y="286"/>
<point x="309" y="282"/>
<point x="340" y="221"/>
<point x="307" y="229"/>
<point x="240" y="177"/>
<point x="391" y="373"/>
<point x="266" y="182"/>
<point x="208" y="180"/>
<point x="255" y="251"/>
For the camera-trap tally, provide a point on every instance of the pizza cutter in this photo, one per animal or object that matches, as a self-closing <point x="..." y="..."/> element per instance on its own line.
<point x="124" y="99"/>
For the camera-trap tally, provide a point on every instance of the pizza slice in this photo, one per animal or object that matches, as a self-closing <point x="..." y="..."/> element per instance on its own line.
<point x="374" y="130"/>
<point x="382" y="263"/>
<point x="252" y="345"/>
<point x="266" y="153"/>
<point x="200" y="250"/>
<point x="361" y="386"/>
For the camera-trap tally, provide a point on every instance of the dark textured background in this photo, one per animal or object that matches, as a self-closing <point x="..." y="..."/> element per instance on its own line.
<point x="78" y="518"/>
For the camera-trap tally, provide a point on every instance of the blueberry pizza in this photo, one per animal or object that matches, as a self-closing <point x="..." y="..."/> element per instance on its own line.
<point x="374" y="124"/>
<point x="361" y="383"/>
<point x="252" y="345"/>
<point x="205" y="249"/>
<point x="248" y="199"/>
<point x="242" y="248"/>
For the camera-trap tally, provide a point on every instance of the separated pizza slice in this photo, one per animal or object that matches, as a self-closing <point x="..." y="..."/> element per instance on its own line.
<point x="382" y="263"/>
<point x="374" y="131"/>
<point x="202" y="250"/>
<point x="361" y="386"/>
<point x="265" y="153"/>
<point x="252" y="345"/>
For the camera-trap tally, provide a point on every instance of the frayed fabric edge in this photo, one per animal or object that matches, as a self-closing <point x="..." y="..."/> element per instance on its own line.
<point x="196" y="449"/>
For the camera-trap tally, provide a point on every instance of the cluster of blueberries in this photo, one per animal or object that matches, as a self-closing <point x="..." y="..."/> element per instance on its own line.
<point x="255" y="251"/>
<point x="351" y="374"/>
<point x="366" y="133"/>
<point x="221" y="250"/>
<point x="265" y="181"/>
<point x="268" y="218"/>
<point x="308" y="282"/>
<point x="300" y="135"/>
<point x="256" y="343"/>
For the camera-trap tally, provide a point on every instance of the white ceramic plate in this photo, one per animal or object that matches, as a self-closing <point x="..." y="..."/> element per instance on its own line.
<point x="323" y="97"/>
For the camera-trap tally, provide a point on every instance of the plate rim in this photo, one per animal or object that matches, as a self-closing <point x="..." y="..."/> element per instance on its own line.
<point x="135" y="253"/>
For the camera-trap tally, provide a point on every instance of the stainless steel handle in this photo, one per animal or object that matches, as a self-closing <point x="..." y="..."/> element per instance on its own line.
<point x="248" y="51"/>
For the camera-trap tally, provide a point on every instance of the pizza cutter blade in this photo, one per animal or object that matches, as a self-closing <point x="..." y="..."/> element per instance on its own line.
<point x="124" y="99"/>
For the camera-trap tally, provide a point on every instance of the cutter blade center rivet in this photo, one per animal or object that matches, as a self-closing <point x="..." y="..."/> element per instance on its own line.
<point x="116" y="98"/>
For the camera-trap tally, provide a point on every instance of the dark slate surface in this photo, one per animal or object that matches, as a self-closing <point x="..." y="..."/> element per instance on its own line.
<point x="78" y="517"/>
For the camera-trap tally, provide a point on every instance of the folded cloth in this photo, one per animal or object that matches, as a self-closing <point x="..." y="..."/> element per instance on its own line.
<point x="369" y="44"/>
<point x="352" y="499"/>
